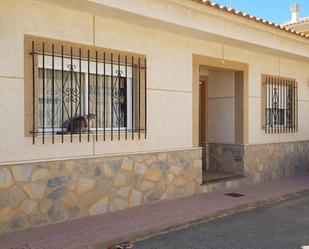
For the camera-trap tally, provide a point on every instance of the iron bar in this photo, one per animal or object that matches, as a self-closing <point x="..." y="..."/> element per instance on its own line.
<point x="62" y="94"/>
<point x="77" y="58"/>
<point x="292" y="108"/>
<point x="119" y="97"/>
<point x="292" y="97"/>
<point x="272" y="107"/>
<point x="284" y="106"/>
<point x="280" y="105"/>
<point x="33" y="95"/>
<point x="139" y="98"/>
<point x="296" y="105"/>
<point x="71" y="93"/>
<point x="269" y="106"/>
<point x="96" y="96"/>
<point x="126" y="97"/>
<point x="112" y="92"/>
<point x="104" y="95"/>
<point x="43" y="135"/>
<point x="277" y="106"/>
<point x="289" y="105"/>
<point x="268" y="103"/>
<point x="273" y="114"/>
<point x="53" y="93"/>
<point x="88" y="97"/>
<point x="145" y="96"/>
<point x="132" y="99"/>
<point x="80" y="94"/>
<point x="265" y="103"/>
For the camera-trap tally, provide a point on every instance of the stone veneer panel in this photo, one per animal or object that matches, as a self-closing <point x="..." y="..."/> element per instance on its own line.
<point x="226" y="157"/>
<point x="42" y="193"/>
<point x="266" y="162"/>
<point x="263" y="162"/>
<point x="260" y="162"/>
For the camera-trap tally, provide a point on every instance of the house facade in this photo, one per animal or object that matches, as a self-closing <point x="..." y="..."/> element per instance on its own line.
<point x="110" y="104"/>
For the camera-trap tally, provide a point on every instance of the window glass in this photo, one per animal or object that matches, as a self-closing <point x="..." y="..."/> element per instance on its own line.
<point x="109" y="95"/>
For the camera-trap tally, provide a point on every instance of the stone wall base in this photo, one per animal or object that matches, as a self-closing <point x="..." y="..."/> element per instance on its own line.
<point x="262" y="162"/>
<point x="42" y="193"/>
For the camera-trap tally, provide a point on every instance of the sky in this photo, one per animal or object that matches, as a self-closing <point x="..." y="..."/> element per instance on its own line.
<point x="277" y="11"/>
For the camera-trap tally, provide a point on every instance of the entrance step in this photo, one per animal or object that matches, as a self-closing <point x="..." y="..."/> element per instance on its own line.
<point x="227" y="181"/>
<point x="212" y="176"/>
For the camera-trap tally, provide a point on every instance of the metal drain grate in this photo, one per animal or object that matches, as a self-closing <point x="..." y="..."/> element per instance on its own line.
<point x="234" y="194"/>
<point x="20" y="247"/>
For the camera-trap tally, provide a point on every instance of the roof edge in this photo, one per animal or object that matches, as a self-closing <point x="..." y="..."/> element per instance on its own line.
<point x="247" y="16"/>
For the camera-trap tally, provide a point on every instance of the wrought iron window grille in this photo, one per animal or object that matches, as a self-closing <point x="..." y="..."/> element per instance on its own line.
<point x="77" y="91"/>
<point x="280" y="105"/>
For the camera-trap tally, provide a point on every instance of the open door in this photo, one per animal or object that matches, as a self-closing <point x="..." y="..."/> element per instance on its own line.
<point x="203" y="118"/>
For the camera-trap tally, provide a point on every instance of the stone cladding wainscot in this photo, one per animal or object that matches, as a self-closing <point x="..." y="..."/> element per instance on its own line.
<point x="41" y="193"/>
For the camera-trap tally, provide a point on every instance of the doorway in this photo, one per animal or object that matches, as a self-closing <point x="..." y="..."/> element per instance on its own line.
<point x="221" y="119"/>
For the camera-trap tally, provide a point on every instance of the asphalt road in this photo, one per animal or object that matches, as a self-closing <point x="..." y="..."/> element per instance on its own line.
<point x="284" y="225"/>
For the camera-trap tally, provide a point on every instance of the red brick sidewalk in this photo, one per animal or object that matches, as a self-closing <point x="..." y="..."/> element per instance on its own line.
<point x="151" y="219"/>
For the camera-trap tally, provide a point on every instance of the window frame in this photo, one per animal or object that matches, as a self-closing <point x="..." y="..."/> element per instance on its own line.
<point x="100" y="72"/>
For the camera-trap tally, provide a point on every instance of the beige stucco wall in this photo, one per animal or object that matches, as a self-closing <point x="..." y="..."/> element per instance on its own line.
<point x="169" y="58"/>
<point x="221" y="107"/>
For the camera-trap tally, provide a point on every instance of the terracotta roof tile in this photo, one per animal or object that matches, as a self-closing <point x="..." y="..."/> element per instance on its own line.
<point x="250" y="17"/>
<point x="300" y="21"/>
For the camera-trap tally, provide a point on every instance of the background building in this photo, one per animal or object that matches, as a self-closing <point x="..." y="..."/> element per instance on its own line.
<point x="296" y="23"/>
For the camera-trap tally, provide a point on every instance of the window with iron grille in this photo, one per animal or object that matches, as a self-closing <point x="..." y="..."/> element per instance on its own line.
<point x="280" y="112"/>
<point x="78" y="89"/>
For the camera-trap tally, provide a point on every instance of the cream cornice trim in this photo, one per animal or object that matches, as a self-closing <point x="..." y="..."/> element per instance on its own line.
<point x="227" y="97"/>
<point x="168" y="90"/>
<point x="11" y="77"/>
<point x="98" y="156"/>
